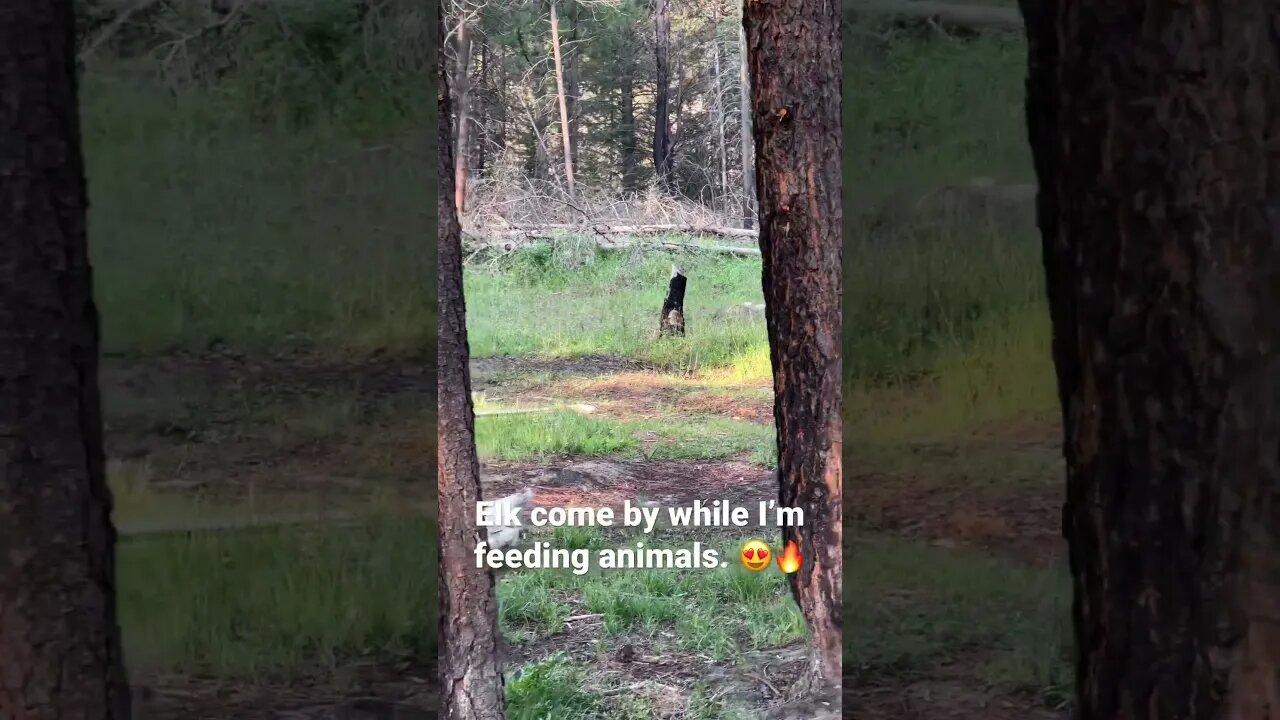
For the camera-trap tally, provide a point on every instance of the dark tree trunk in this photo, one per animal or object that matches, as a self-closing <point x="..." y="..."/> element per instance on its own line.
<point x="1153" y="130"/>
<point x="471" y="682"/>
<point x="671" y="322"/>
<point x="794" y="57"/>
<point x="499" y="116"/>
<point x="60" y="653"/>
<point x="662" y="110"/>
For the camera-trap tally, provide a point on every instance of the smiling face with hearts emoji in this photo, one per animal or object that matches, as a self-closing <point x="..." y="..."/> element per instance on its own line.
<point x="755" y="555"/>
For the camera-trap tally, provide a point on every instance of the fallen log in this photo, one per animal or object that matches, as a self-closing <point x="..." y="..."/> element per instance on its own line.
<point x="973" y="17"/>
<point x="599" y="229"/>
<point x="512" y="240"/>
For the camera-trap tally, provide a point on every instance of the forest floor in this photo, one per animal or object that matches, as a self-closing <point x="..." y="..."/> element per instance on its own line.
<point x="321" y="620"/>
<point x="956" y="604"/>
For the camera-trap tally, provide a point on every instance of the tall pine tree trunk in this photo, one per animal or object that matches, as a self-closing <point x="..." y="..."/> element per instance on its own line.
<point x="744" y="118"/>
<point x="470" y="679"/>
<point x="1153" y="129"/>
<point x="573" y="81"/>
<point x="662" y="109"/>
<point x="794" y="54"/>
<point x="462" y="90"/>
<point x="60" y="654"/>
<point x="566" y="134"/>
<point x="717" y="105"/>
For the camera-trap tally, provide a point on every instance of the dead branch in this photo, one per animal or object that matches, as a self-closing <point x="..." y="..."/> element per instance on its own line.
<point x="513" y="240"/>
<point x="114" y="27"/>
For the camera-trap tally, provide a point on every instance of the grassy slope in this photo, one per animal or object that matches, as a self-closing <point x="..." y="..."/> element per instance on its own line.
<point x="946" y="327"/>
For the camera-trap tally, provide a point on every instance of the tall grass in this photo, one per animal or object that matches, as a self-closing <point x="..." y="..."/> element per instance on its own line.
<point x="945" y="318"/>
<point x="551" y="302"/>
<point x="206" y="225"/>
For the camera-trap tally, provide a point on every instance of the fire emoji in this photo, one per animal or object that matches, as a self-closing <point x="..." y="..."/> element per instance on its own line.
<point x="790" y="559"/>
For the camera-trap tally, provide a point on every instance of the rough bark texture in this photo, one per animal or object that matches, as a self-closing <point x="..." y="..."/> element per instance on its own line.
<point x="462" y="90"/>
<point x="661" y="104"/>
<point x="794" y="56"/>
<point x="471" y="682"/>
<point x="748" y="162"/>
<point x="1153" y="129"/>
<point x="60" y="652"/>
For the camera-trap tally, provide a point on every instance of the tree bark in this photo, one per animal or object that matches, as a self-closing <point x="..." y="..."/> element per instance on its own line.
<point x="717" y="113"/>
<point x="462" y="90"/>
<point x="1152" y="128"/>
<point x="662" y="110"/>
<point x="744" y="116"/>
<point x="60" y="654"/>
<point x="671" y="323"/>
<point x="566" y="135"/>
<point x="480" y="138"/>
<point x="794" y="53"/>
<point x="471" y="681"/>
<point x="573" y="81"/>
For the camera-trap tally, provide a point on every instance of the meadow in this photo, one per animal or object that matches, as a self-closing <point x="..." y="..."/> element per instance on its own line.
<point x="263" y="268"/>
<point x="957" y="595"/>
<point x="263" y="272"/>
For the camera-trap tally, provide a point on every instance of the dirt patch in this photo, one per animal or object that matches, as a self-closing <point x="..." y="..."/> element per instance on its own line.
<point x="1019" y="523"/>
<point x="944" y="697"/>
<point x="173" y="405"/>
<point x="364" y="692"/>
<point x="491" y="370"/>
<point x="601" y="483"/>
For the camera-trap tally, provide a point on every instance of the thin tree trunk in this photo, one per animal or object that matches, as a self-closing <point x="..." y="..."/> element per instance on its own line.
<point x="1153" y="130"/>
<point x="481" y="138"/>
<point x="662" y="111"/>
<point x="573" y="82"/>
<point x="794" y="54"/>
<point x="718" y="107"/>
<point x="60" y="654"/>
<point x="462" y="88"/>
<point x="471" y="681"/>
<point x="500" y="119"/>
<point x="565" y="133"/>
<point x="744" y="114"/>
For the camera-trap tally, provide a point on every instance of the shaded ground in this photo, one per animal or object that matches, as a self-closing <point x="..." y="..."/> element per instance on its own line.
<point x="299" y="429"/>
<point x="294" y="426"/>
<point x="363" y="692"/>
<point x="271" y="433"/>
<point x="996" y="491"/>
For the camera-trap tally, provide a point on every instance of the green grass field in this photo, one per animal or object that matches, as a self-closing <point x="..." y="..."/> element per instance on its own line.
<point x="946" y="346"/>
<point x="219" y="220"/>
